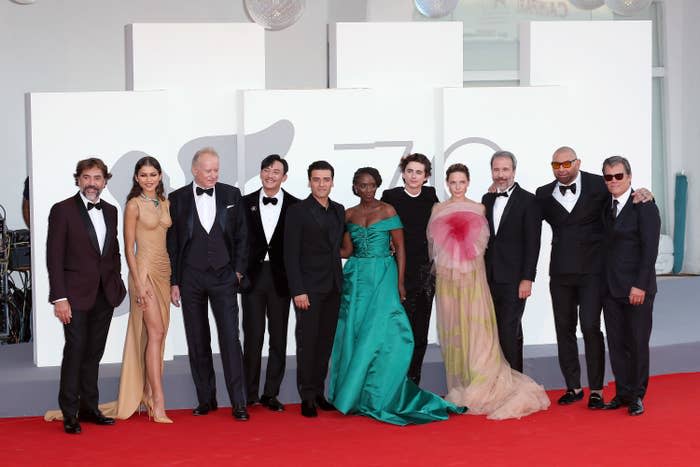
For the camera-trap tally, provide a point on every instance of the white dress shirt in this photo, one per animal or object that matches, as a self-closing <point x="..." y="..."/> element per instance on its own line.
<point x="569" y="199"/>
<point x="499" y="205"/>
<point x="98" y="221"/>
<point x="206" y="207"/>
<point x="622" y="200"/>
<point x="270" y="215"/>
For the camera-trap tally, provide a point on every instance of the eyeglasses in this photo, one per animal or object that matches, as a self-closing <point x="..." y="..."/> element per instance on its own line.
<point x="565" y="164"/>
<point x="609" y="177"/>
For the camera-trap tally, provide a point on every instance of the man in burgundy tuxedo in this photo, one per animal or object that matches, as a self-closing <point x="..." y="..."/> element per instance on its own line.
<point x="84" y="265"/>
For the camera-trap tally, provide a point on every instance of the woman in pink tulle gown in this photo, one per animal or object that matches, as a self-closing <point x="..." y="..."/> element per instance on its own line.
<point x="478" y="375"/>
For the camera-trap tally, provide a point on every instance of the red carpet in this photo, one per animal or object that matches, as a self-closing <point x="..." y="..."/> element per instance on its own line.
<point x="668" y="434"/>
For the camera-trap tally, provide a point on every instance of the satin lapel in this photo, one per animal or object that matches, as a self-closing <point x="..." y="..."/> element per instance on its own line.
<point x="111" y="227"/>
<point x="88" y="223"/>
<point x="490" y="202"/>
<point x="556" y="205"/>
<point x="513" y="199"/>
<point x="221" y="210"/>
<point x="314" y="212"/>
<point x="257" y="226"/>
<point x="190" y="208"/>
<point x="283" y="211"/>
<point x="581" y="198"/>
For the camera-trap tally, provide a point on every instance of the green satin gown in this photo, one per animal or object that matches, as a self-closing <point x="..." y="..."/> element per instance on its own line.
<point x="374" y="342"/>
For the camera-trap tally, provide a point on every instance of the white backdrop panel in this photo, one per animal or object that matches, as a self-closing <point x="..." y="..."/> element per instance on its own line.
<point x="67" y="127"/>
<point x="195" y="55"/>
<point x="606" y="66"/>
<point x="395" y="55"/>
<point x="524" y="121"/>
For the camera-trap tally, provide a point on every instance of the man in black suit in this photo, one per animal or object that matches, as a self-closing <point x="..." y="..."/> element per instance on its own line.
<point x="84" y="266"/>
<point x="269" y="293"/>
<point x="313" y="233"/>
<point x="572" y="205"/>
<point x="511" y="256"/>
<point x="631" y="246"/>
<point x="414" y="203"/>
<point x="208" y="248"/>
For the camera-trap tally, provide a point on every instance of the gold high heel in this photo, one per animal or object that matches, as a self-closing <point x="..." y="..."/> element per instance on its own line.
<point x="156" y="418"/>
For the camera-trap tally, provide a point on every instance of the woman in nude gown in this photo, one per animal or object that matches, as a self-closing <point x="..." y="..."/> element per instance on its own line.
<point x="478" y="375"/>
<point x="146" y="221"/>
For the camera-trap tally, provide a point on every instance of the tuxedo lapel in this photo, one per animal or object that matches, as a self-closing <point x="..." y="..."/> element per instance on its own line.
<point x="489" y="202"/>
<point x="257" y="227"/>
<point x="221" y="209"/>
<point x="279" y="230"/>
<point x="111" y="227"/>
<point x="88" y="223"/>
<point x="513" y="199"/>
<point x="622" y="212"/>
<point x="314" y="212"/>
<point x="189" y="207"/>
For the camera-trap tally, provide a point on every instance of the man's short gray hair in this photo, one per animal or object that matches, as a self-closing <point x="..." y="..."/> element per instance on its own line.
<point x="506" y="154"/>
<point x="207" y="150"/>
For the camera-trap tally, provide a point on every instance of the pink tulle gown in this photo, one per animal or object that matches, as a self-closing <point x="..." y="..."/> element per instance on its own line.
<point x="478" y="374"/>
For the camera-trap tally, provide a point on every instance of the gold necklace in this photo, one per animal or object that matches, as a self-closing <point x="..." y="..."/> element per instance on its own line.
<point x="155" y="200"/>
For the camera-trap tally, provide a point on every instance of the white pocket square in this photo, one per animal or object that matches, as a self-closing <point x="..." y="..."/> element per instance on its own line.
<point x="230" y="206"/>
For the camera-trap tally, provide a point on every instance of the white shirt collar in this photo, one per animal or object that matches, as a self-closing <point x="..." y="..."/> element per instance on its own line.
<point x="195" y="186"/>
<point x="622" y="199"/>
<point x="86" y="201"/>
<point x="509" y="190"/>
<point x="577" y="181"/>
<point x="277" y="195"/>
<point x="412" y="195"/>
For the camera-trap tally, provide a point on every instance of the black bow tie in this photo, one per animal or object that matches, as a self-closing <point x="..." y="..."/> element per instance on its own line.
<point x="96" y="205"/>
<point x="267" y="200"/>
<point x="503" y="193"/>
<point x="209" y="191"/>
<point x="571" y="187"/>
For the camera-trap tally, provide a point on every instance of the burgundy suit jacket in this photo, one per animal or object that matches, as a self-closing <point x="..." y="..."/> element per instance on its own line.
<point x="75" y="264"/>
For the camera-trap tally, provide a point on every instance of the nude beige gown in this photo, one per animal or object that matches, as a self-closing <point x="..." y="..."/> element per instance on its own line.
<point x="154" y="265"/>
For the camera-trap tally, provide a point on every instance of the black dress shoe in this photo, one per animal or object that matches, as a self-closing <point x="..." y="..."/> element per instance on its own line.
<point x="595" y="401"/>
<point x="203" y="409"/>
<point x="308" y="409"/>
<point x="252" y="401"/>
<point x="96" y="417"/>
<point x="570" y="396"/>
<point x="240" y="413"/>
<point x="272" y="403"/>
<point x="323" y="404"/>
<point x="636" y="407"/>
<point x="615" y="403"/>
<point x="71" y="426"/>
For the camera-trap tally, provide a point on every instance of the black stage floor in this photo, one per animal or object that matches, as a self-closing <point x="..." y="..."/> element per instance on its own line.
<point x="26" y="390"/>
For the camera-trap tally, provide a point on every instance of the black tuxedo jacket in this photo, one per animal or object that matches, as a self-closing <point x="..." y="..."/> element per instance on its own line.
<point x="631" y="247"/>
<point x="257" y="243"/>
<point x="576" y="236"/>
<point x="512" y="253"/>
<point x="312" y="253"/>
<point x="75" y="264"/>
<point x="230" y="216"/>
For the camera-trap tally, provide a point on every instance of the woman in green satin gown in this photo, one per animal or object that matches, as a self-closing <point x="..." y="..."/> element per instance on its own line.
<point x="374" y="342"/>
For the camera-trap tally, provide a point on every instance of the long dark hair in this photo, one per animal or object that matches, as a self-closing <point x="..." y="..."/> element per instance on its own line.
<point x="136" y="190"/>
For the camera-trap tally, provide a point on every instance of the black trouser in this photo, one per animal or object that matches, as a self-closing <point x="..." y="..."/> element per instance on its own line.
<point x="86" y="336"/>
<point x="315" y="331"/>
<point x="262" y="301"/>
<point x="198" y="288"/>
<point x="629" y="329"/>
<point x="419" y="306"/>
<point x="509" y="314"/>
<point x="577" y="296"/>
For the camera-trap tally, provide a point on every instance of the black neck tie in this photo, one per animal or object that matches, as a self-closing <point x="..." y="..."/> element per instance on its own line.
<point x="613" y="211"/>
<point x="267" y="200"/>
<point x="504" y="193"/>
<point x="571" y="187"/>
<point x="96" y="205"/>
<point x="209" y="191"/>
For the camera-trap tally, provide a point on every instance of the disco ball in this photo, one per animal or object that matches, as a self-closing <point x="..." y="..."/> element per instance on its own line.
<point x="275" y="14"/>
<point x="436" y="8"/>
<point x="628" y="7"/>
<point x="587" y="4"/>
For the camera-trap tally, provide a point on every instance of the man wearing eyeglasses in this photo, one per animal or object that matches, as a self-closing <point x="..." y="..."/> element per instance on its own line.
<point x="631" y="246"/>
<point x="572" y="205"/>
